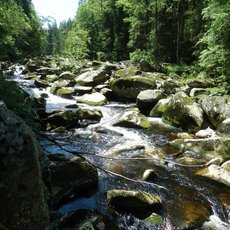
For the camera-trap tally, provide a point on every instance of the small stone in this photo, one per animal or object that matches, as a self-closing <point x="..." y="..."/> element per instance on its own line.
<point x="149" y="175"/>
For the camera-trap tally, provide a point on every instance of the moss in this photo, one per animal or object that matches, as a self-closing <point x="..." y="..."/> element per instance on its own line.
<point x="153" y="220"/>
<point x="17" y="100"/>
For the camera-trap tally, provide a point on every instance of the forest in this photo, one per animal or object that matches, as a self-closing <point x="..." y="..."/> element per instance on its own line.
<point x="183" y="32"/>
<point x="117" y="119"/>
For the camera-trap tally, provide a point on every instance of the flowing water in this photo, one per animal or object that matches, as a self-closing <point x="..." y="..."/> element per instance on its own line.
<point x="183" y="193"/>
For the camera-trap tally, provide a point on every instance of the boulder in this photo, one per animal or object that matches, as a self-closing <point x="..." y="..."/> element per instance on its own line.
<point x="41" y="83"/>
<point x="147" y="99"/>
<point x="67" y="75"/>
<point x="92" y="78"/>
<point x="132" y="118"/>
<point x="127" y="72"/>
<point x="81" y="90"/>
<point x="205" y="133"/>
<point x="224" y="128"/>
<point x="51" y="78"/>
<point x="198" y="83"/>
<point x="133" y="201"/>
<point x="183" y="112"/>
<point x="216" y="108"/>
<point x="159" y="108"/>
<point x="226" y="165"/>
<point x="130" y="87"/>
<point x="168" y="85"/>
<point x="22" y="196"/>
<point x="89" y="114"/>
<point x="66" y="118"/>
<point x="217" y="173"/>
<point x="65" y="92"/>
<point x="71" y="177"/>
<point x="93" y="99"/>
<point x="215" y="223"/>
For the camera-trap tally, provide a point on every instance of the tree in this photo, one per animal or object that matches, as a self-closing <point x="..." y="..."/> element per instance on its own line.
<point x="215" y="52"/>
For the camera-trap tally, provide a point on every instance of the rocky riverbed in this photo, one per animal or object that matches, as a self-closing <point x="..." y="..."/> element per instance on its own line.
<point x="124" y="147"/>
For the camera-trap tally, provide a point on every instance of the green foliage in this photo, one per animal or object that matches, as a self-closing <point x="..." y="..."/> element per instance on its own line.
<point x="215" y="55"/>
<point x="21" y="33"/>
<point x="18" y="101"/>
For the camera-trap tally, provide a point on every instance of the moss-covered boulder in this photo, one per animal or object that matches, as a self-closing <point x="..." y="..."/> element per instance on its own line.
<point x="200" y="83"/>
<point x="41" y="83"/>
<point x="159" y="108"/>
<point x="147" y="99"/>
<point x="70" y="177"/>
<point x="130" y="87"/>
<point x="93" y="99"/>
<point x="22" y="191"/>
<point x="65" y="92"/>
<point x="216" y="108"/>
<point x="127" y="72"/>
<point x="132" y="118"/>
<point x="146" y="66"/>
<point x="133" y="201"/>
<point x="89" y="114"/>
<point x="224" y="127"/>
<point x="66" y="118"/>
<point x="182" y="111"/>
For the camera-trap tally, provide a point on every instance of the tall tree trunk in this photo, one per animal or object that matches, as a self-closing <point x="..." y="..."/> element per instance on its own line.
<point x="178" y="33"/>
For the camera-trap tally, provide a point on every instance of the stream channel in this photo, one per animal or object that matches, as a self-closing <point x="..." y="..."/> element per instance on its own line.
<point x="183" y="193"/>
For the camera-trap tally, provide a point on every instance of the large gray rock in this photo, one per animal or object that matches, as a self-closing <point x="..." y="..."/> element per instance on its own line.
<point x="183" y="112"/>
<point x="216" y="108"/>
<point x="92" y="78"/>
<point x="130" y="87"/>
<point x="22" y="198"/>
<point x="224" y="127"/>
<point x="159" y="108"/>
<point x="70" y="177"/>
<point x="148" y="98"/>
<point x="132" y="118"/>
<point x="93" y="99"/>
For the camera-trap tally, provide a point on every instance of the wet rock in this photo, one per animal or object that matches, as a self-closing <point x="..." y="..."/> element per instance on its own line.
<point x="159" y="108"/>
<point x="190" y="214"/>
<point x="189" y="160"/>
<point x="67" y="75"/>
<point x="183" y="112"/>
<point x="149" y="175"/>
<point x="65" y="92"/>
<point x="217" y="173"/>
<point x="22" y="196"/>
<point x="96" y="99"/>
<point x="81" y="90"/>
<point x="51" y="78"/>
<point x="84" y="220"/>
<point x="132" y="118"/>
<point x="71" y="177"/>
<point x="223" y="128"/>
<point x="216" y="108"/>
<point x="155" y="221"/>
<point x="205" y="133"/>
<point x="90" y="114"/>
<point x="92" y="78"/>
<point x="60" y="84"/>
<point x="183" y="135"/>
<point x="41" y="84"/>
<point x="133" y="201"/>
<point x="130" y="87"/>
<point x="98" y="88"/>
<point x="66" y="118"/>
<point x="147" y="99"/>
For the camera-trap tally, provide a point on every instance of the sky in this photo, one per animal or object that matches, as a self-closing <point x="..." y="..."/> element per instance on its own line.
<point x="58" y="9"/>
